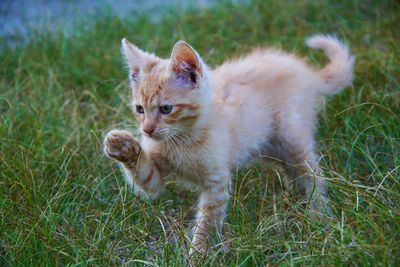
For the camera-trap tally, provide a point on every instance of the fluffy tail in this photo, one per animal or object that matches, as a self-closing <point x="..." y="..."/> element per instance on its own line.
<point x="338" y="73"/>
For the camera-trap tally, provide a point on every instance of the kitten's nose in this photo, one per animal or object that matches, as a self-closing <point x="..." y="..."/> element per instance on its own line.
<point x="149" y="130"/>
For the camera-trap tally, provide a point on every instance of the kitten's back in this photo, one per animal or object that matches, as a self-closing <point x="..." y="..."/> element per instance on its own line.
<point x="272" y="70"/>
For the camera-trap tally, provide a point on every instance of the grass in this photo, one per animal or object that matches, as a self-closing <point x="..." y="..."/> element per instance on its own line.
<point x="63" y="203"/>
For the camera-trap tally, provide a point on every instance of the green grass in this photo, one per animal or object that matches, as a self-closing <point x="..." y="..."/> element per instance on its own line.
<point x="63" y="203"/>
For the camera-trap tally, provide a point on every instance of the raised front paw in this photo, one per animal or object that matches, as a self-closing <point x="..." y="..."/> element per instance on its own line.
<point x="121" y="146"/>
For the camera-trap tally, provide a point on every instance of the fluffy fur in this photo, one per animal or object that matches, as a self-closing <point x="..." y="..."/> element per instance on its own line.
<point x="264" y="103"/>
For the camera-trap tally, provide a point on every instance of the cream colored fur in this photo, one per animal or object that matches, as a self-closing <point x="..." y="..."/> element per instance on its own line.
<point x="263" y="104"/>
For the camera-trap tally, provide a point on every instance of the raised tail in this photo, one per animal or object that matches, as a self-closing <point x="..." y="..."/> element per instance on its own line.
<point x="338" y="73"/>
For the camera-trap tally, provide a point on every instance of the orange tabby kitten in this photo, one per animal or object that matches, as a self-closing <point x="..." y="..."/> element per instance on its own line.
<point x="200" y="123"/>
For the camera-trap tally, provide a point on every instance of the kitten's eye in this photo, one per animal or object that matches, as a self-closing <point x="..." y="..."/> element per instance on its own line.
<point x="165" y="109"/>
<point x="139" y="109"/>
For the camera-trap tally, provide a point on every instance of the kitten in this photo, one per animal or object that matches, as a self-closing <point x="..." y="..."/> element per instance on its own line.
<point x="200" y="123"/>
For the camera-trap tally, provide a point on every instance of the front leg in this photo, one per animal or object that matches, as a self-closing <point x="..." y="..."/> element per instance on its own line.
<point x="211" y="213"/>
<point x="140" y="167"/>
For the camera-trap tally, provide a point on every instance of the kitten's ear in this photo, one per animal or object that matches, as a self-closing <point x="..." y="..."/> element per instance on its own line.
<point x="134" y="57"/>
<point x="185" y="61"/>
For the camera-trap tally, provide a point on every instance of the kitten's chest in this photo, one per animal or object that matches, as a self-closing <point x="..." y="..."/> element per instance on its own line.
<point x="189" y="163"/>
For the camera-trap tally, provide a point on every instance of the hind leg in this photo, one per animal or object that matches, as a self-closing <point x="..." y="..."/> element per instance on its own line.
<point x="301" y="165"/>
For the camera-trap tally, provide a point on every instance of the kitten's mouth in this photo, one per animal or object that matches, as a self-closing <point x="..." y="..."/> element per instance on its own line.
<point x="164" y="135"/>
<point x="155" y="135"/>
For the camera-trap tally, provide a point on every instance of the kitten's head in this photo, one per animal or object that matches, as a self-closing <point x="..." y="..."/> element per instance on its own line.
<point x="169" y="96"/>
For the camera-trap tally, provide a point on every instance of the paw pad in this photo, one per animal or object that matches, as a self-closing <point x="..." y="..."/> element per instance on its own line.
<point x="121" y="146"/>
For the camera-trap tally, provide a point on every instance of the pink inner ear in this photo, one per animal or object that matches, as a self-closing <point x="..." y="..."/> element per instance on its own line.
<point x="186" y="60"/>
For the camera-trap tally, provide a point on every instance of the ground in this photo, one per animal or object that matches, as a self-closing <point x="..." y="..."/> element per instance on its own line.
<point x="62" y="202"/>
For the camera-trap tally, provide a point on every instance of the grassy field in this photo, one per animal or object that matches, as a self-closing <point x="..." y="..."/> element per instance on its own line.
<point x="63" y="203"/>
